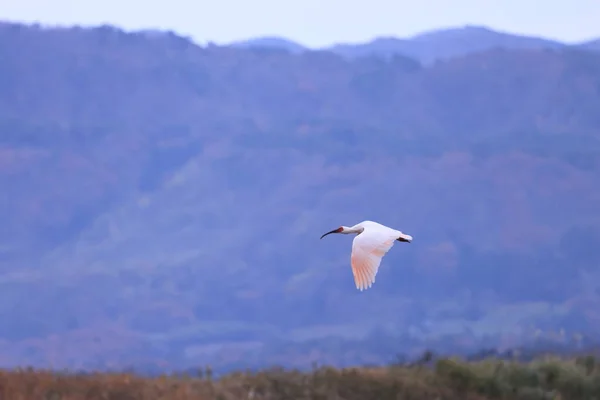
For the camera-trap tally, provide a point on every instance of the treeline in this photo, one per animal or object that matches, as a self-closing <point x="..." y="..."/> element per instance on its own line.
<point x="548" y="377"/>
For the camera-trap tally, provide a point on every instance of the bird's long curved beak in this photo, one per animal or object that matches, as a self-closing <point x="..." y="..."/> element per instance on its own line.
<point x="333" y="231"/>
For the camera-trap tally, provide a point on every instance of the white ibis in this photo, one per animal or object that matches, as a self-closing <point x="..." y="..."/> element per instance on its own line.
<point x="371" y="243"/>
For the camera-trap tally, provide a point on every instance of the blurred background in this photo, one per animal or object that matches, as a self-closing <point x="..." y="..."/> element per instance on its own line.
<point x="167" y="169"/>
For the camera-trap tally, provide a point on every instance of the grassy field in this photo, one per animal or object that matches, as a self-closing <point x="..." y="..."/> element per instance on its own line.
<point x="446" y="378"/>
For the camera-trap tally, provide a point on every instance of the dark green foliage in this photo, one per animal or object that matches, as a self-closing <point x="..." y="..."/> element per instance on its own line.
<point x="452" y="379"/>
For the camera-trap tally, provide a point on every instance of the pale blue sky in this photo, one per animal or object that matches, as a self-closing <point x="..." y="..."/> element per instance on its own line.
<point x="317" y="22"/>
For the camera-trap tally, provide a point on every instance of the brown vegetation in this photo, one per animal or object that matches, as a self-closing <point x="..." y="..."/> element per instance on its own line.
<point x="547" y="378"/>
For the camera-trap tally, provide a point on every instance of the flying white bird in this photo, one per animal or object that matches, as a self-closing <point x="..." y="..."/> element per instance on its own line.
<point x="371" y="243"/>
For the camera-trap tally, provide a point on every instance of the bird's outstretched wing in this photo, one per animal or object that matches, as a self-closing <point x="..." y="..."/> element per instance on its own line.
<point x="368" y="248"/>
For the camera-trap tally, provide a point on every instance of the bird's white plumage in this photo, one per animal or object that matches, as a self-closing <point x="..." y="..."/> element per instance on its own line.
<point x="368" y="248"/>
<point x="371" y="243"/>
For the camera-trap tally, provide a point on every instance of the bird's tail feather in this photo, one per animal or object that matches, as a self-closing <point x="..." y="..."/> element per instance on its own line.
<point x="405" y="238"/>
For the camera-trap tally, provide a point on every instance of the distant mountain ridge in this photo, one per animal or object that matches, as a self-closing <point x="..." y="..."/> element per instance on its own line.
<point x="270" y="42"/>
<point x="428" y="46"/>
<point x="163" y="201"/>
<point x="591" y="45"/>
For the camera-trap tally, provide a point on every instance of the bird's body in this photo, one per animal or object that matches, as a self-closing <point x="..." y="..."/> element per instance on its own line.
<point x="372" y="242"/>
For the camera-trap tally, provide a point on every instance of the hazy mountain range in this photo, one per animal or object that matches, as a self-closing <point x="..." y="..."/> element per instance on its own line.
<point x="162" y="202"/>
<point x="428" y="46"/>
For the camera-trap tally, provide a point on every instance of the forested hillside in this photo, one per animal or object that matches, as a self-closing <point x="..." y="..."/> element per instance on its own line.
<point x="163" y="201"/>
<point x="430" y="46"/>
